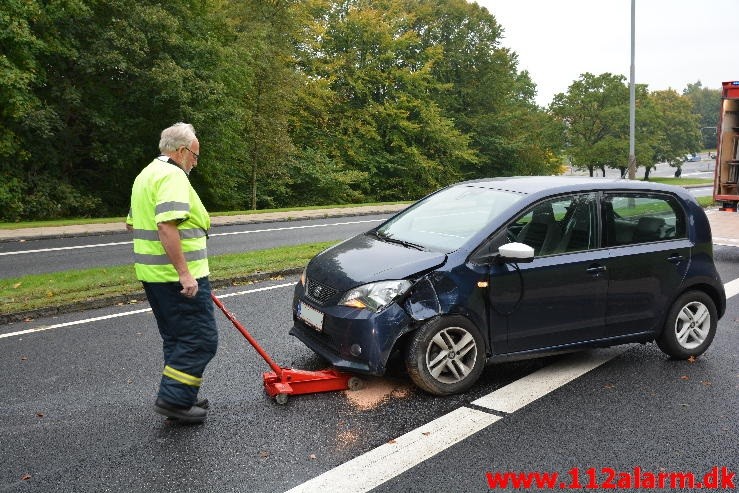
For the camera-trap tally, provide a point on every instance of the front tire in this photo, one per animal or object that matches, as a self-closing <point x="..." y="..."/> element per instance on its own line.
<point x="446" y="355"/>
<point x="690" y="326"/>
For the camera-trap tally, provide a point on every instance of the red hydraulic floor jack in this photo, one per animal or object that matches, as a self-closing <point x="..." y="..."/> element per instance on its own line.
<point x="283" y="382"/>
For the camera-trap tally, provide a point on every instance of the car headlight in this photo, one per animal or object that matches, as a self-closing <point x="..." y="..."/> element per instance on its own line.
<point x="376" y="295"/>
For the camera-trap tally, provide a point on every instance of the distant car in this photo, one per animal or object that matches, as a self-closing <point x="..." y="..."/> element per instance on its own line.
<point x="511" y="268"/>
<point x="692" y="158"/>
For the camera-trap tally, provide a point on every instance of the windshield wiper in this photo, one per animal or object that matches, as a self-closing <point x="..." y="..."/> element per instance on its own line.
<point x="390" y="239"/>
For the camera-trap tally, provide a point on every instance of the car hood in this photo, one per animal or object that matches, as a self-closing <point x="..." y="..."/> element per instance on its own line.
<point x="366" y="258"/>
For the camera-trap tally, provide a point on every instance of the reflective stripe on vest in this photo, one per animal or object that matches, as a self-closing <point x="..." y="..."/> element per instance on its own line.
<point x="182" y="377"/>
<point x="171" y="206"/>
<point x="148" y="259"/>
<point x="143" y="234"/>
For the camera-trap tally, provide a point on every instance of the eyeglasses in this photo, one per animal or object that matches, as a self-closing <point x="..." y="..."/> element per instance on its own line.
<point x="197" y="156"/>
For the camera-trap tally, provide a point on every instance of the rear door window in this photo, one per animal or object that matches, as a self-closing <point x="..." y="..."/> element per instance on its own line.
<point x="632" y="218"/>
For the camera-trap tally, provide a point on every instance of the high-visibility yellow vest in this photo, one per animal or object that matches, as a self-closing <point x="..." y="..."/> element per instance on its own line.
<point x="162" y="193"/>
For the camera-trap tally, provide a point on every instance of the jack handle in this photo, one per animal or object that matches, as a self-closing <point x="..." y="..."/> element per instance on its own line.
<point x="248" y="336"/>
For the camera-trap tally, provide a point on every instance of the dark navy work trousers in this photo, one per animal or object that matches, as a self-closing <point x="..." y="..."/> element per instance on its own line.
<point x="189" y="337"/>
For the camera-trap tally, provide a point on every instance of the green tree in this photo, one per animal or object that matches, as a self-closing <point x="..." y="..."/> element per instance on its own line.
<point x="594" y="112"/>
<point x="382" y="120"/>
<point x="484" y="94"/>
<point x="677" y="129"/>
<point x="707" y="104"/>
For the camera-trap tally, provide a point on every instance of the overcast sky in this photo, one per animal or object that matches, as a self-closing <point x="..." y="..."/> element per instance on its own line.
<point x="677" y="41"/>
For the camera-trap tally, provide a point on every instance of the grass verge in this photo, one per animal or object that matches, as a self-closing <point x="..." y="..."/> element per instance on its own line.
<point x="680" y="182"/>
<point x="28" y="293"/>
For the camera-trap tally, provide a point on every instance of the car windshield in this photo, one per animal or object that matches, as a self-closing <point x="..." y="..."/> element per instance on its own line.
<point x="447" y="219"/>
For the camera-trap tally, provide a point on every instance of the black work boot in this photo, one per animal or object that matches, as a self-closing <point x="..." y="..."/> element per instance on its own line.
<point x="202" y="403"/>
<point x="192" y="414"/>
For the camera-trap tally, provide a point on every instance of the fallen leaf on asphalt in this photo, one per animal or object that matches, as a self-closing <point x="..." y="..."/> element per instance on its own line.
<point x="312" y="456"/>
<point x="691" y="359"/>
<point x="24" y="358"/>
<point x="609" y="386"/>
<point x="25" y="477"/>
<point x="263" y="454"/>
<point x="685" y="377"/>
<point x="28" y="319"/>
<point x="391" y="441"/>
<point x="39" y="415"/>
<point x="425" y="433"/>
<point x="705" y="382"/>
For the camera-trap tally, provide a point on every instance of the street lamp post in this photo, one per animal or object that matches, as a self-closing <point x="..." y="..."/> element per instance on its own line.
<point x="632" y="99"/>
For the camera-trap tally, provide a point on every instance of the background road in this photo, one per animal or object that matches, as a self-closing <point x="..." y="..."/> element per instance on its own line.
<point x="76" y="410"/>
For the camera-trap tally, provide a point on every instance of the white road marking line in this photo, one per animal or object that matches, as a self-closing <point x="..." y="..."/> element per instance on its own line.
<point x="75" y="322"/>
<point x="526" y="390"/>
<point x="269" y="230"/>
<point x="125" y="314"/>
<point x="59" y="249"/>
<point x="379" y="465"/>
<point x="725" y="241"/>
<point x="731" y="288"/>
<point x="266" y="230"/>
<point x="391" y="459"/>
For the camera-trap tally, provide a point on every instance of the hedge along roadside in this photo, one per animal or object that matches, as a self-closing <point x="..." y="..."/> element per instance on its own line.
<point x="43" y="295"/>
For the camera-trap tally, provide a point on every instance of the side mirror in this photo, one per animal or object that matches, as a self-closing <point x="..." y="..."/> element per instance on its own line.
<point x="515" y="252"/>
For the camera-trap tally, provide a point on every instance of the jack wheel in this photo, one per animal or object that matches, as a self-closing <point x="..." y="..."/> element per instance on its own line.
<point x="355" y="383"/>
<point x="281" y="399"/>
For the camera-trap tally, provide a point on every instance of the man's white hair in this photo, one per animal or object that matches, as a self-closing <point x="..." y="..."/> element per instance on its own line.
<point x="178" y="135"/>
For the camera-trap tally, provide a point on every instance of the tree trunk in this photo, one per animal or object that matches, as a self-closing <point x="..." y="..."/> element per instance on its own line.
<point x="254" y="187"/>
<point x="646" y="173"/>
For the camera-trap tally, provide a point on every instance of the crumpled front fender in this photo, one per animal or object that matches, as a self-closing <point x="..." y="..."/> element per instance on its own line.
<point x="423" y="301"/>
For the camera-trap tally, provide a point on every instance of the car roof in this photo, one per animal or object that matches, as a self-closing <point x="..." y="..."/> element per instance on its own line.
<point x="560" y="184"/>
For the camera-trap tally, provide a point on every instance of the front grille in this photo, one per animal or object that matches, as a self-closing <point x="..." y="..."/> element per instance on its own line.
<point x="319" y="292"/>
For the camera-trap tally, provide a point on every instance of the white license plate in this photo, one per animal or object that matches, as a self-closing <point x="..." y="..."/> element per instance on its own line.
<point x="311" y="316"/>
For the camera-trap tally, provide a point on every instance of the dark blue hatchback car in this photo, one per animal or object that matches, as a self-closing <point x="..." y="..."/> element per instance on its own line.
<point x="511" y="268"/>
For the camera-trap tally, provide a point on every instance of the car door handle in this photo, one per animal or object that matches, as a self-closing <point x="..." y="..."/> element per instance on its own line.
<point x="596" y="269"/>
<point x="675" y="258"/>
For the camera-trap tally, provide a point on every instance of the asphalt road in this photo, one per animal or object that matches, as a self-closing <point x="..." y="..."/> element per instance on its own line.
<point x="76" y="411"/>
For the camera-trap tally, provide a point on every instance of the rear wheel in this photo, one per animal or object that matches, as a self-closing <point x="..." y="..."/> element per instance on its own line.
<point x="446" y="355"/>
<point x="690" y="326"/>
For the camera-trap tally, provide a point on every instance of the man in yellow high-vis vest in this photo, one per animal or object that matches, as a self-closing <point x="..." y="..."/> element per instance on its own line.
<point x="170" y="224"/>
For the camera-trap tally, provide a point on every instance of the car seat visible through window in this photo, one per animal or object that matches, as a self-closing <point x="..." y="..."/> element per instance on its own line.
<point x="578" y="230"/>
<point x="649" y="229"/>
<point x="543" y="232"/>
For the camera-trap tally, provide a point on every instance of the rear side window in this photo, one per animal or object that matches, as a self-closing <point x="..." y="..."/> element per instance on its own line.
<point x="630" y="218"/>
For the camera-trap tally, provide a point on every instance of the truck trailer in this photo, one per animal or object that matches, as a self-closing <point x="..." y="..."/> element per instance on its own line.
<point x="726" y="174"/>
